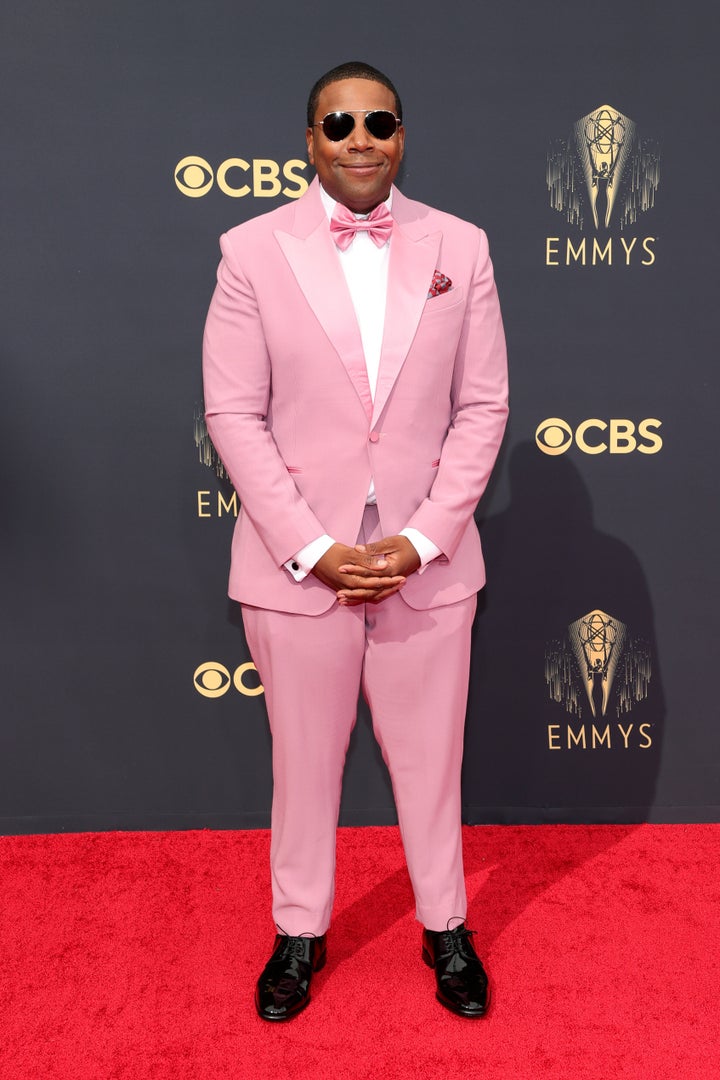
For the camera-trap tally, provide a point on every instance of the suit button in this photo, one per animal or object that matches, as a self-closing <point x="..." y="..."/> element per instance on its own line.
<point x="374" y="436"/>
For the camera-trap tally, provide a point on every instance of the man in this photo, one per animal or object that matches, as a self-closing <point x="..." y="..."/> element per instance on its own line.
<point x="355" y="387"/>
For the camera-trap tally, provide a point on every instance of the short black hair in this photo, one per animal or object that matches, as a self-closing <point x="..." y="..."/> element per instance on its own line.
<point x="353" y="69"/>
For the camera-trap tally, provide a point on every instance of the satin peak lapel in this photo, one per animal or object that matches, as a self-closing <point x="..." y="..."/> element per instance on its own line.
<point x="317" y="270"/>
<point x="412" y="264"/>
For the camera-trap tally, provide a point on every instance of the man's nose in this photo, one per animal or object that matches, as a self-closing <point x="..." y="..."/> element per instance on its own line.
<point x="359" y="138"/>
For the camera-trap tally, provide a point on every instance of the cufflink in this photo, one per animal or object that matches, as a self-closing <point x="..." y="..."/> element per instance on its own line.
<point x="294" y="565"/>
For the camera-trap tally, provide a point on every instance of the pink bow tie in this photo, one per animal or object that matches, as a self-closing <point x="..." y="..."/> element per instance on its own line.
<point x="344" y="225"/>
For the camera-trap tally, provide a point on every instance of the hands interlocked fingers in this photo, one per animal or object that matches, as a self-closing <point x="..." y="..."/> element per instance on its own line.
<point x="367" y="573"/>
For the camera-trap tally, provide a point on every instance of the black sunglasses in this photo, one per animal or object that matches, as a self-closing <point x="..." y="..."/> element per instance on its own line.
<point x="380" y="123"/>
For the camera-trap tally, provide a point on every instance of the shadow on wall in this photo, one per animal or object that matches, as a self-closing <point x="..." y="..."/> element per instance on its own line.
<point x="566" y="707"/>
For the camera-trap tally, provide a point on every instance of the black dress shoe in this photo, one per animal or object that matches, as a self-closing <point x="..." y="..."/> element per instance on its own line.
<point x="462" y="985"/>
<point x="283" y="989"/>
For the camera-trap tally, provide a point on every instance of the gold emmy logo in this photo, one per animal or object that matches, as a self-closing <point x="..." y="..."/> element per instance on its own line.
<point x="603" y="140"/>
<point x="602" y="174"/>
<point x="597" y="641"/>
<point x="603" y="167"/>
<point x="262" y="178"/>
<point x="213" y="680"/>
<point x="596" y="665"/>
<point x="555" y="436"/>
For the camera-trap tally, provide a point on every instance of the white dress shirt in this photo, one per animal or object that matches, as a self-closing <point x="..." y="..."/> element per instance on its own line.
<point x="365" y="266"/>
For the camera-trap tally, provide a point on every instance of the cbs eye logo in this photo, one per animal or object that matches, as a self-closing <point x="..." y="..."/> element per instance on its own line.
<point x="213" y="680"/>
<point x="237" y="178"/>
<point x="555" y="436"/>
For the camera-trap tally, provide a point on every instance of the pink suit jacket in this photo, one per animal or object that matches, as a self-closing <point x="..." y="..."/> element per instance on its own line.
<point x="290" y="412"/>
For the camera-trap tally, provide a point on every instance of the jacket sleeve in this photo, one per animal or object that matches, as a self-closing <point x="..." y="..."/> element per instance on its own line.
<point x="479" y="413"/>
<point x="237" y="382"/>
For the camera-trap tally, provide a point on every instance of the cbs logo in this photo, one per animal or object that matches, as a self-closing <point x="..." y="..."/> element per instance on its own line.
<point x="237" y="178"/>
<point x="213" y="680"/>
<point x="555" y="436"/>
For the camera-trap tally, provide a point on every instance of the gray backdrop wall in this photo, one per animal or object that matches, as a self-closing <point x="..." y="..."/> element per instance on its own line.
<point x="583" y="140"/>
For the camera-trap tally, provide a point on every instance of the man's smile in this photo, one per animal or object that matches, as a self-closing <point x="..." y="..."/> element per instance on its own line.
<point x="363" y="166"/>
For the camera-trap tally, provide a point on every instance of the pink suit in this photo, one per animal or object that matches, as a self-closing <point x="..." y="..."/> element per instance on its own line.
<point x="290" y="412"/>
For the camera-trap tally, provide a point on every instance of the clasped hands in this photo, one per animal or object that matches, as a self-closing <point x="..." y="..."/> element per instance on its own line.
<point x="367" y="573"/>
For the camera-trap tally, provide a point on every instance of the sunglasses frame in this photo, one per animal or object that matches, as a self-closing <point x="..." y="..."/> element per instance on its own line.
<point x="365" y="113"/>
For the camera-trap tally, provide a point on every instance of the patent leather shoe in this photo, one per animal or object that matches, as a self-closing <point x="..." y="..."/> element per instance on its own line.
<point x="462" y="985"/>
<point x="283" y="989"/>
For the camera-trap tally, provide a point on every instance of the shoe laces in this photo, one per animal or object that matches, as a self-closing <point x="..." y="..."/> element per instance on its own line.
<point x="295" y="948"/>
<point x="454" y="940"/>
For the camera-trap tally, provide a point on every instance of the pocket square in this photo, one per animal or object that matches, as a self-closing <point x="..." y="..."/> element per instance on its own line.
<point x="441" y="283"/>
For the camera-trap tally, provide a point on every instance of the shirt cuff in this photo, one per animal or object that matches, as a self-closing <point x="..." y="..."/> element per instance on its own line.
<point x="424" y="547"/>
<point x="303" y="561"/>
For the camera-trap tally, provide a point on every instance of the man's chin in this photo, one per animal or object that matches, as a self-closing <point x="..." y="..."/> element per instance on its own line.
<point x="361" y="197"/>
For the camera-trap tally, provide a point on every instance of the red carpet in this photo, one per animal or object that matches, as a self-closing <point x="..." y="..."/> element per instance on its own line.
<point x="132" y="956"/>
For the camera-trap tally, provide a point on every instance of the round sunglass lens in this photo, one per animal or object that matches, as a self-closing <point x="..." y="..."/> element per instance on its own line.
<point x="381" y="124"/>
<point x="337" y="126"/>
